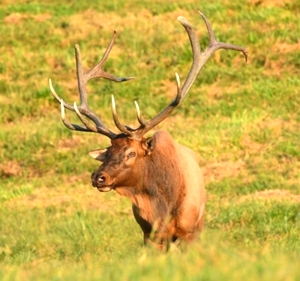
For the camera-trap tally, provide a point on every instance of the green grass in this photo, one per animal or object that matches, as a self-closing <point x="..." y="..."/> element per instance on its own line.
<point x="242" y="119"/>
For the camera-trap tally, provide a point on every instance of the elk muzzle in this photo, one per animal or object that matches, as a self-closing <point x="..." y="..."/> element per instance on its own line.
<point x="102" y="181"/>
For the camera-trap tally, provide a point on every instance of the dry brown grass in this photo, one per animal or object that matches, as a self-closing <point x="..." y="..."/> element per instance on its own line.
<point x="272" y="195"/>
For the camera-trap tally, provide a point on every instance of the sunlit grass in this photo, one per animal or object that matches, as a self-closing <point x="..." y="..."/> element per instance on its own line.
<point x="242" y="119"/>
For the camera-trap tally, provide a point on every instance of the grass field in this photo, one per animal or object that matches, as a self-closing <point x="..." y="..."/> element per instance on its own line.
<point x="243" y="119"/>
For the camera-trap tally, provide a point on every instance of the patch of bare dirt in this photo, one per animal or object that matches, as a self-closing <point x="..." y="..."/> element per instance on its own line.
<point x="41" y="17"/>
<point x="10" y="169"/>
<point x="272" y="194"/>
<point x="269" y="3"/>
<point x="221" y="170"/>
<point x="66" y="145"/>
<point x="251" y="146"/>
<point x="279" y="65"/>
<point x="215" y="91"/>
<point x="275" y="126"/>
<point x="16" y="18"/>
<point x="284" y="48"/>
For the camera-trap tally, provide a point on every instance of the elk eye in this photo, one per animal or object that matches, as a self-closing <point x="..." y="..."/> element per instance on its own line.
<point x="131" y="154"/>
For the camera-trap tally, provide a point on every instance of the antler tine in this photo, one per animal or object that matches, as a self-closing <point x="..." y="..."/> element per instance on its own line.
<point x="199" y="60"/>
<point x="66" y="122"/>
<point x="118" y="124"/>
<point x="98" y="71"/>
<point x="177" y="82"/>
<point x="83" y="109"/>
<point x="63" y="105"/>
<point x="138" y="114"/>
<point x="91" y="128"/>
<point x="215" y="45"/>
<point x="55" y="95"/>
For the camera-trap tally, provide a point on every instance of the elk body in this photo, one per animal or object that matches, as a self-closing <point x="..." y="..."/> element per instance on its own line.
<point x="160" y="177"/>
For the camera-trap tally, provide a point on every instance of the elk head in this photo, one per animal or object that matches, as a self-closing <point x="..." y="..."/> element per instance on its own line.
<point x="122" y="162"/>
<point x="130" y="146"/>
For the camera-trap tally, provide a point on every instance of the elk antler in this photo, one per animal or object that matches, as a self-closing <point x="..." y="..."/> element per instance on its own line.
<point x="199" y="60"/>
<point x="83" y="108"/>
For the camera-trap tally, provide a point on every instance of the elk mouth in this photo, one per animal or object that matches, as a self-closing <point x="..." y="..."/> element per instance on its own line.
<point x="103" y="182"/>
<point x="104" y="188"/>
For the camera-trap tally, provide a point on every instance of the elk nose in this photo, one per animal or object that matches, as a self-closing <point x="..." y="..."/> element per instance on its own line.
<point x="99" y="179"/>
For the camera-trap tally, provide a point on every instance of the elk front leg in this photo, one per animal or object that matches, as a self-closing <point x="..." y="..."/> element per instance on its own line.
<point x="144" y="224"/>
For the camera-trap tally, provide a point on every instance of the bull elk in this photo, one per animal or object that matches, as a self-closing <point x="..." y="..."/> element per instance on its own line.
<point x="160" y="177"/>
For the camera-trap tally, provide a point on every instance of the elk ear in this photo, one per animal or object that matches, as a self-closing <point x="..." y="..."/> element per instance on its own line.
<point x="149" y="145"/>
<point x="99" y="154"/>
